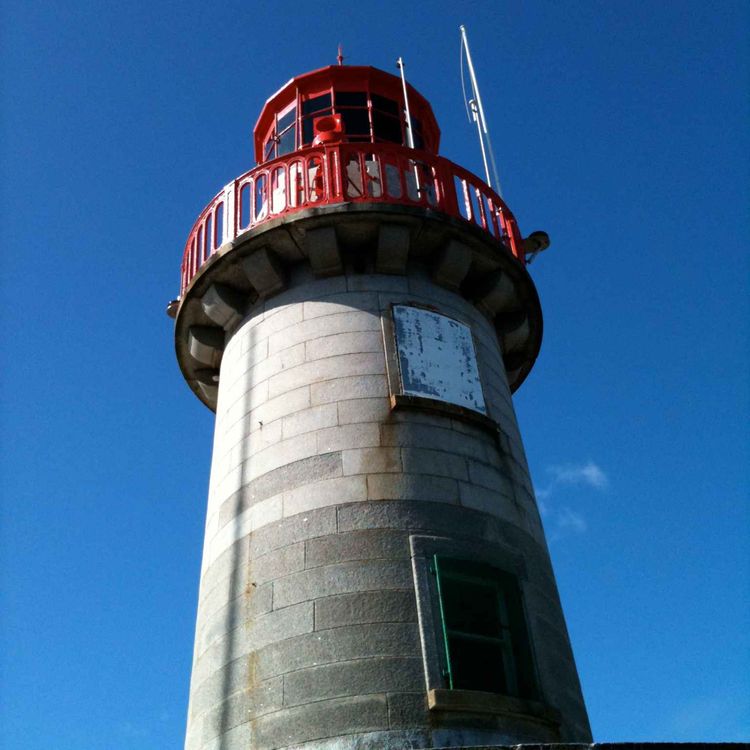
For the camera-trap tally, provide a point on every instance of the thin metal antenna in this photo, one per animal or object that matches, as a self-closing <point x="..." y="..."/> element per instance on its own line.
<point x="340" y="56"/>
<point x="409" y="133"/>
<point x="478" y="111"/>
<point x="463" y="82"/>
<point x="475" y="116"/>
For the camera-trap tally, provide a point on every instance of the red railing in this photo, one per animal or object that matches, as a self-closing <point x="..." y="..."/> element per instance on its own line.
<point x="346" y="172"/>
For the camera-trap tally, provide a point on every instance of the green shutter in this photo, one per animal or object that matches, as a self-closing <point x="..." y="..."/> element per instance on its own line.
<point x="448" y="672"/>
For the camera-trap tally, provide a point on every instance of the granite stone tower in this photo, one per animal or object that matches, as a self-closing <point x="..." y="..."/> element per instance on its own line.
<point x="357" y="313"/>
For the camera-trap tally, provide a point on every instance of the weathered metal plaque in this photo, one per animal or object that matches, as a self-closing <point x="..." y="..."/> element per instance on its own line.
<point x="437" y="358"/>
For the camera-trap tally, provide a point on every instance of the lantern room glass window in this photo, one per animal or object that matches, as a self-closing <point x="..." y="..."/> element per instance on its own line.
<point x="356" y="123"/>
<point x="351" y="99"/>
<point x="315" y="106"/>
<point x="437" y="358"/>
<point x="417" y="134"/>
<point x="366" y="117"/>
<point x="484" y="629"/>
<point x="355" y="116"/>
<point x="282" y="138"/>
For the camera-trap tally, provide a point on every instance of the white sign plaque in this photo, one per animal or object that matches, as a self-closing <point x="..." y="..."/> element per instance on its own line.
<point x="437" y="358"/>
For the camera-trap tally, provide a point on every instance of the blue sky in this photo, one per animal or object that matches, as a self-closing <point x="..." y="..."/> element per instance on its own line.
<point x="620" y="128"/>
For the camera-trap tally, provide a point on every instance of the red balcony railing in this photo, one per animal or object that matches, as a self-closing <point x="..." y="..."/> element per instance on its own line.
<point x="340" y="173"/>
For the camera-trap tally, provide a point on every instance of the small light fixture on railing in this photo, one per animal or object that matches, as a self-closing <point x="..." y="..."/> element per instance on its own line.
<point x="534" y="244"/>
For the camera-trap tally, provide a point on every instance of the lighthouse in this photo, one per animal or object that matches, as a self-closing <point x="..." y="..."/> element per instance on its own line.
<point x="357" y="311"/>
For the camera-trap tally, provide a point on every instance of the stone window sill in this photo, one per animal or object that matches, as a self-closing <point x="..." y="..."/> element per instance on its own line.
<point x="402" y="401"/>
<point x="479" y="702"/>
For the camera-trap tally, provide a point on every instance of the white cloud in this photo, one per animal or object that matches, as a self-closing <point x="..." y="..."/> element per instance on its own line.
<point x="563" y="520"/>
<point x="589" y="474"/>
<point x="541" y="494"/>
<point x="569" y="520"/>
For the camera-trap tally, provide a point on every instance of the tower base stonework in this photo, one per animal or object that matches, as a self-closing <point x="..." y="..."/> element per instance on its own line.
<point x="316" y="625"/>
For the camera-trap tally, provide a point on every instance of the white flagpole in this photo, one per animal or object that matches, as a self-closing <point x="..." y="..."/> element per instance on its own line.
<point x="409" y="133"/>
<point x="478" y="110"/>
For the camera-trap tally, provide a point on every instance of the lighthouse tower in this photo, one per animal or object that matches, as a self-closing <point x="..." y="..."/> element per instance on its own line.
<point x="358" y="313"/>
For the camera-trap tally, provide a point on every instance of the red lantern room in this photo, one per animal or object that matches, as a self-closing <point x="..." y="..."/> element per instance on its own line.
<point x="339" y="134"/>
<point x="352" y="104"/>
